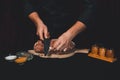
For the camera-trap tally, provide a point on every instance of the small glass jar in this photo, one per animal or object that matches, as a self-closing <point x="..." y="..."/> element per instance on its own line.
<point x="94" y="49"/>
<point x="110" y="53"/>
<point x="102" y="51"/>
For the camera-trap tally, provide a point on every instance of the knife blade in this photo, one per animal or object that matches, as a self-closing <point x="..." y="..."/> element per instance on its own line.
<point x="46" y="45"/>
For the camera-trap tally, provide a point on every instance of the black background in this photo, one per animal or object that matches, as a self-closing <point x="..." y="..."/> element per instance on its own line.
<point x="16" y="35"/>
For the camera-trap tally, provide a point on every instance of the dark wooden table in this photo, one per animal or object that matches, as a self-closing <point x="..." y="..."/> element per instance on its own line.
<point x="79" y="66"/>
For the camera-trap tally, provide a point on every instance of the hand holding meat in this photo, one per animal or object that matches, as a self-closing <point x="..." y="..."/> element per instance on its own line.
<point x="63" y="43"/>
<point x="39" y="46"/>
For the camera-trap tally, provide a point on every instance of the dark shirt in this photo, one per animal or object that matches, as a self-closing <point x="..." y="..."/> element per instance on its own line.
<point x="62" y="13"/>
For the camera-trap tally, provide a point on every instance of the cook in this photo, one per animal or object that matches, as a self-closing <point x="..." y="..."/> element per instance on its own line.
<point x="63" y="19"/>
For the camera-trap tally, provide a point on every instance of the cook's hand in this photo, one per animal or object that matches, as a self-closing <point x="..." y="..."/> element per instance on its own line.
<point x="63" y="42"/>
<point x="42" y="31"/>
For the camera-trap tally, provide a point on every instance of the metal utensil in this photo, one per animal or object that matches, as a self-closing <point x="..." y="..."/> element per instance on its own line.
<point x="46" y="45"/>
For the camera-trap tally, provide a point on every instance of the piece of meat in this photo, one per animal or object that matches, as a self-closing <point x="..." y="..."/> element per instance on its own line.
<point x="39" y="47"/>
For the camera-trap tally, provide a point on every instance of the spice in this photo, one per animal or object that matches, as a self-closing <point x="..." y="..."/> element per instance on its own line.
<point x="102" y="51"/>
<point x="94" y="49"/>
<point x="109" y="53"/>
<point x="21" y="60"/>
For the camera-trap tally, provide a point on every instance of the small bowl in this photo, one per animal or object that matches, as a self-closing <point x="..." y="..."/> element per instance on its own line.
<point x="10" y="57"/>
<point x="25" y="54"/>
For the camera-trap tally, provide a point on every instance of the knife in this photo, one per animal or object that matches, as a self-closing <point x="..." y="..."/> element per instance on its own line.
<point x="46" y="45"/>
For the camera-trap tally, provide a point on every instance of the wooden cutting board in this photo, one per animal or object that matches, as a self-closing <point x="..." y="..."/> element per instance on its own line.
<point x="60" y="56"/>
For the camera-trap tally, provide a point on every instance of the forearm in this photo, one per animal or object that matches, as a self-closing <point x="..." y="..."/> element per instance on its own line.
<point x="34" y="17"/>
<point x="75" y="29"/>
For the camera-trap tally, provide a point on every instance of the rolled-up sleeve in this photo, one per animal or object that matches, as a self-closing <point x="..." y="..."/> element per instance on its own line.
<point x="89" y="8"/>
<point x="28" y="7"/>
